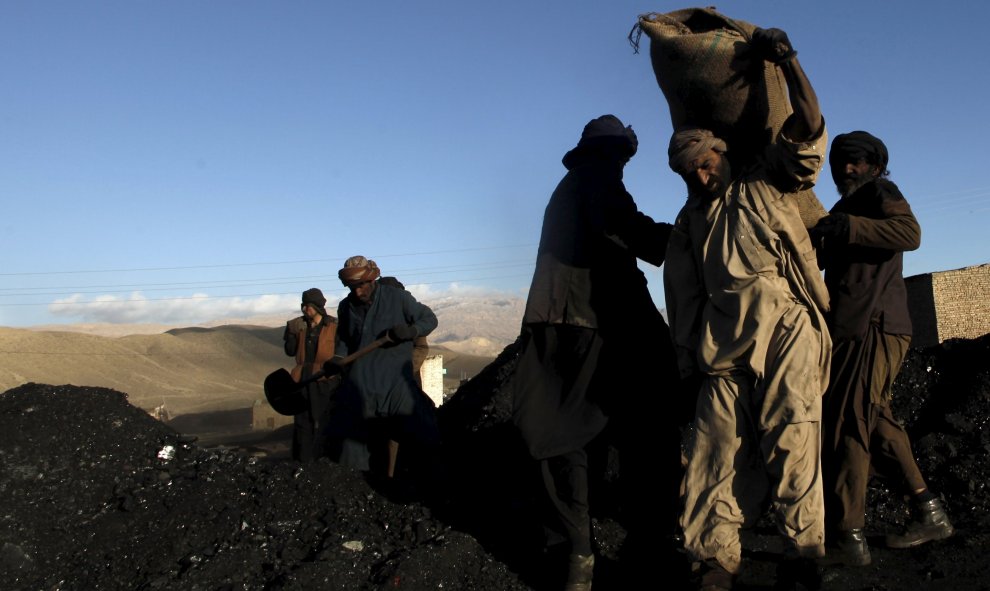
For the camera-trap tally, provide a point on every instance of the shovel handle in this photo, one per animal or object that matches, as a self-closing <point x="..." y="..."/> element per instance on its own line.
<point x="347" y="360"/>
<point x="362" y="352"/>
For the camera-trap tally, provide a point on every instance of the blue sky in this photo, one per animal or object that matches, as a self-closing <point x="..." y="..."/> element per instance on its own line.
<point x="182" y="161"/>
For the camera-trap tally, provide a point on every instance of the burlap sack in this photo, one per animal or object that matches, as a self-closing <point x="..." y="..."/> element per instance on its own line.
<point x="702" y="62"/>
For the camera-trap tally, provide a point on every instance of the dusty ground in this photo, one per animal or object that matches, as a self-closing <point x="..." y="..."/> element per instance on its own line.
<point x="97" y="495"/>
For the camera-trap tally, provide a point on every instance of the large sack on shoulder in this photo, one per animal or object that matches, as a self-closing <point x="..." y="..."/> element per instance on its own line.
<point x="702" y="62"/>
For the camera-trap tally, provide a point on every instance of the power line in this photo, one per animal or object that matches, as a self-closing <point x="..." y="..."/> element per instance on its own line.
<point x="259" y="264"/>
<point x="218" y="297"/>
<point x="106" y="289"/>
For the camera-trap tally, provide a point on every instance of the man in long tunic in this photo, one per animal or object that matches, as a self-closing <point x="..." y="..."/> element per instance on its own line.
<point x="745" y="301"/>
<point x="861" y="244"/>
<point x="591" y="338"/>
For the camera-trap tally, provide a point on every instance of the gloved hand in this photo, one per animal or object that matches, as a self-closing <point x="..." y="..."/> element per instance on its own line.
<point x="772" y="45"/>
<point x="402" y="332"/>
<point x="296" y="325"/>
<point x="331" y="369"/>
<point x="833" y="228"/>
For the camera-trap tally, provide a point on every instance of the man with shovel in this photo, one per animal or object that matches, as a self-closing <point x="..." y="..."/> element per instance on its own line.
<point x="379" y="404"/>
<point x="310" y="339"/>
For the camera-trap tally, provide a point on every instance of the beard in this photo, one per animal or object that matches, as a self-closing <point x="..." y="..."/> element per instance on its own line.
<point x="852" y="183"/>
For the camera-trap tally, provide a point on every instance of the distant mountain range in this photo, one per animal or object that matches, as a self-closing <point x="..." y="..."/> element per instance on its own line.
<point x="470" y="324"/>
<point x="221" y="365"/>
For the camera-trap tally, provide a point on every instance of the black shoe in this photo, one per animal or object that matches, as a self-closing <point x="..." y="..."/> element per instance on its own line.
<point x="849" y="548"/>
<point x="930" y="523"/>
<point x="798" y="574"/>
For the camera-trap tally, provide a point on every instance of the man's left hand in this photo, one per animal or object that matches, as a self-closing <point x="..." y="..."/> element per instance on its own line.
<point x="402" y="332"/>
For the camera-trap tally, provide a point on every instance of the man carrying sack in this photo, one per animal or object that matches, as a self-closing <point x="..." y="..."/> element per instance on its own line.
<point x="745" y="301"/>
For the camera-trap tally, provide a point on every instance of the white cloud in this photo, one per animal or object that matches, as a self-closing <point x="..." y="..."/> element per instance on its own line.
<point x="426" y="291"/>
<point x="191" y="309"/>
<point x="199" y="308"/>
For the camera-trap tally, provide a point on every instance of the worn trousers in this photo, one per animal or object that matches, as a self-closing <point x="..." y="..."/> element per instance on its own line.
<point x="758" y="440"/>
<point x="860" y="429"/>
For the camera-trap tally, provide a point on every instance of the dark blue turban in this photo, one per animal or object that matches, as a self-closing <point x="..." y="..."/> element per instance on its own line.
<point x="857" y="145"/>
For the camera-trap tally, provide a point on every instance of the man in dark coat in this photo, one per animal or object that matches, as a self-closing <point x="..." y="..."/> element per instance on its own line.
<point x="592" y="337"/>
<point x="861" y="244"/>
<point x="379" y="404"/>
<point x="310" y="339"/>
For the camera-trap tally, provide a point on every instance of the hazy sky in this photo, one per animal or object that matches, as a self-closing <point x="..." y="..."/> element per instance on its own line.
<point x="180" y="161"/>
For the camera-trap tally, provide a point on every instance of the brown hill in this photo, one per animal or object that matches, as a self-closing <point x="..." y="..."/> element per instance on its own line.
<point x="190" y="370"/>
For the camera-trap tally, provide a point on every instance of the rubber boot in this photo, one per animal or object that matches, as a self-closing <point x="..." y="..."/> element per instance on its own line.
<point x="930" y="523"/>
<point x="580" y="569"/>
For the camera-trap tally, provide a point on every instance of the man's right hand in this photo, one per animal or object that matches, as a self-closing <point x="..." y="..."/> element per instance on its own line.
<point x="401" y="333"/>
<point x="772" y="45"/>
<point x="296" y="325"/>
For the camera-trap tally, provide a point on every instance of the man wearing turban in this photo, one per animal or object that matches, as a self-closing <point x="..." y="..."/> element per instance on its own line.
<point x="745" y="301"/>
<point x="592" y="337"/>
<point x="379" y="404"/>
<point x="861" y="245"/>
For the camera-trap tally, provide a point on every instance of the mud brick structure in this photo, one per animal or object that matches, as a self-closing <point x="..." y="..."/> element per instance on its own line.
<point x="949" y="304"/>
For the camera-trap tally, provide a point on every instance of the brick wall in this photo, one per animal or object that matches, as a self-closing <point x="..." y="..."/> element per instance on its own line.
<point x="949" y="304"/>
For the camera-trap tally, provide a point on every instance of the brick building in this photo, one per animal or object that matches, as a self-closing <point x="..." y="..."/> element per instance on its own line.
<point x="949" y="304"/>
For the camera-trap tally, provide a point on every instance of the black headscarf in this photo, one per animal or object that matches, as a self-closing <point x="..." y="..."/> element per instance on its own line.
<point x="856" y="145"/>
<point x="605" y="136"/>
<point x="314" y="297"/>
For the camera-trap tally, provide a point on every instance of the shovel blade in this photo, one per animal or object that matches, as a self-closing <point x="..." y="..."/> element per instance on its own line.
<point x="284" y="394"/>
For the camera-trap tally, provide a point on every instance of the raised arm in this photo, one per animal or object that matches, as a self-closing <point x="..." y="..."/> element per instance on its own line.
<point x="774" y="46"/>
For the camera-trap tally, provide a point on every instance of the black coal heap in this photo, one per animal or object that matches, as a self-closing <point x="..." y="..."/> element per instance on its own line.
<point x="95" y="494"/>
<point x="98" y="495"/>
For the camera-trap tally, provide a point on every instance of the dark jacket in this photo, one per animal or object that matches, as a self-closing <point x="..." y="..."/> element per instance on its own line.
<point x="865" y="277"/>
<point x="592" y="335"/>
<point x="384" y="378"/>
<point x="586" y="273"/>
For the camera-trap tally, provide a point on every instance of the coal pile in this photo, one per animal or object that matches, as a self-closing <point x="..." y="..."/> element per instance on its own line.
<point x="942" y="396"/>
<point x="98" y="495"/>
